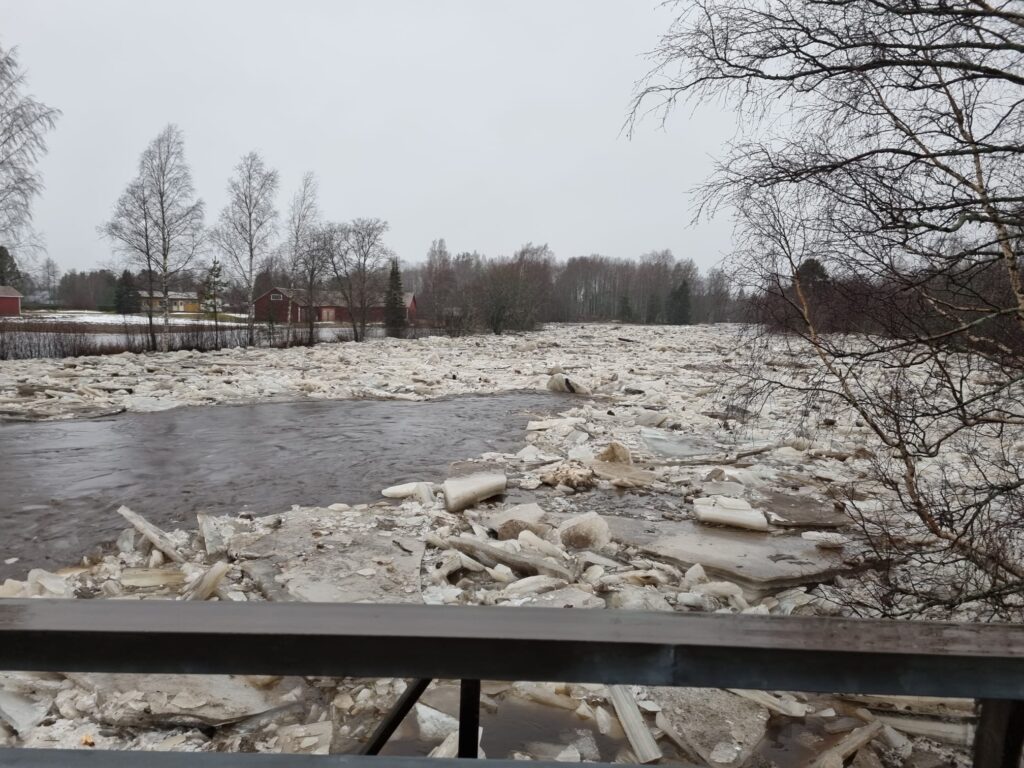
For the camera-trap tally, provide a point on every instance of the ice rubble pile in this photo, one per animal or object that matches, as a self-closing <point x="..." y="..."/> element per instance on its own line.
<point x="669" y="367"/>
<point x="492" y="552"/>
<point x="650" y="491"/>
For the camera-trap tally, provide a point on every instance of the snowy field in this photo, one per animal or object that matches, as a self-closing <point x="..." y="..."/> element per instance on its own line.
<point x="109" y="318"/>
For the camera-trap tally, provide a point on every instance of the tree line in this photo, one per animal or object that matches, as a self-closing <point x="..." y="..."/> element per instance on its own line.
<point x="159" y="228"/>
<point x="468" y="291"/>
<point x="457" y="293"/>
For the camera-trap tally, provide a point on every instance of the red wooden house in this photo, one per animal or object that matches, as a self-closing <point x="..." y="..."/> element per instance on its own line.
<point x="329" y="306"/>
<point x="10" y="302"/>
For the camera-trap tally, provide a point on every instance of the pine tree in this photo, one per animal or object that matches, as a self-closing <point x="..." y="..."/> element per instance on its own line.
<point x="394" y="304"/>
<point x="126" y="297"/>
<point x="679" y="304"/>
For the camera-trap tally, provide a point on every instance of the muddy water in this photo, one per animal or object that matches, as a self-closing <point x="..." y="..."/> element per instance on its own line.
<point x="61" y="482"/>
<point x="518" y="726"/>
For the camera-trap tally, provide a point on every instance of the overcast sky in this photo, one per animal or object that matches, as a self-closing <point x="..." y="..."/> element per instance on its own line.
<point x="488" y="123"/>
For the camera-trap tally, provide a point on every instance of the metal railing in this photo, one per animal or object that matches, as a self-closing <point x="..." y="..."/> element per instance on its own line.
<point x="471" y="644"/>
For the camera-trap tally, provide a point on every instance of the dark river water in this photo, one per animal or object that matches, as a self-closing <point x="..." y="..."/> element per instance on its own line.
<point x="62" y="482"/>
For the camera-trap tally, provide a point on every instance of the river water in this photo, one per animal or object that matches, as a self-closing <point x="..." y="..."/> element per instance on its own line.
<point x="62" y="482"/>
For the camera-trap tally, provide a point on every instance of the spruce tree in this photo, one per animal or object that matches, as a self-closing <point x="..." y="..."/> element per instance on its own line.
<point x="394" y="304"/>
<point x="213" y="287"/>
<point x="679" y="304"/>
<point x="126" y="297"/>
<point x="812" y="272"/>
<point x="9" y="272"/>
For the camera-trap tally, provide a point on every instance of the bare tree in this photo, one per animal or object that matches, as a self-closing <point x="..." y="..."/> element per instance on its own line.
<point x="24" y="123"/>
<point x="513" y="293"/>
<point x="49" y="274"/>
<point x="176" y="215"/>
<point x="248" y="224"/>
<point x="317" y="252"/>
<point x="303" y="218"/>
<point x="899" y="170"/>
<point x="359" y="264"/>
<point x="449" y="284"/>
<point x="438" y="283"/>
<point x="133" y="233"/>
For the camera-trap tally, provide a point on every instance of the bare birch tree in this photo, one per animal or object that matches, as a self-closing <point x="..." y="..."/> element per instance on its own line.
<point x="24" y="123"/>
<point x="132" y="232"/>
<point x="438" y="282"/>
<point x="303" y="218"/>
<point x="359" y="264"/>
<point x="49" y="277"/>
<point x="247" y="225"/>
<point x="879" y="169"/>
<point x="316" y="251"/>
<point x="176" y="215"/>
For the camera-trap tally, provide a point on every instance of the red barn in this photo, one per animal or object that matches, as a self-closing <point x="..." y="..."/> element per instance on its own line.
<point x="329" y="306"/>
<point x="10" y="302"/>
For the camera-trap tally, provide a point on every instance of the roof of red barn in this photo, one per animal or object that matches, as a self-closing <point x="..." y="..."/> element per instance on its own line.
<point x="9" y="293"/>
<point x="326" y="298"/>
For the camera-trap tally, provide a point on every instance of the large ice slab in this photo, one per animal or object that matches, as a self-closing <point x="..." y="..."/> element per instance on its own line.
<point x="755" y="561"/>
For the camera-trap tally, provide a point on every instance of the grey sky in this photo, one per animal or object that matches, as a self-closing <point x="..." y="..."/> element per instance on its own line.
<point x="487" y="123"/>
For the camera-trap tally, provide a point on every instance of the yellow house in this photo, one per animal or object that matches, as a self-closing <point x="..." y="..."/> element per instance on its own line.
<point x="180" y="301"/>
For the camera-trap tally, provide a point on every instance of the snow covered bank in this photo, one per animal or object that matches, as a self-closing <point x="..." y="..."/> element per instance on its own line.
<point x="83" y="317"/>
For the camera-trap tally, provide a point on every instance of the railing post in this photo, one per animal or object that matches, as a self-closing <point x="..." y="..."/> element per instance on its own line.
<point x="469" y="718"/>
<point x="1000" y="735"/>
<point x="395" y="717"/>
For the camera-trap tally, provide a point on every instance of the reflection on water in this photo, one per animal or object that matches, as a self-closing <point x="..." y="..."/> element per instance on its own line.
<point x="62" y="481"/>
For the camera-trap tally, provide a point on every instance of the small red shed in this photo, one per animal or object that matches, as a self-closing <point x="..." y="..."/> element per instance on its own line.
<point x="10" y="302"/>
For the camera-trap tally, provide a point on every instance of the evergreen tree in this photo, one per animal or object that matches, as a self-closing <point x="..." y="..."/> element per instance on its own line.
<point x="679" y="304"/>
<point x="394" y="303"/>
<point x="126" y="297"/>
<point x="213" y="287"/>
<point x="9" y="272"/>
<point x="625" y="309"/>
<point x="814" y="282"/>
<point x="812" y="272"/>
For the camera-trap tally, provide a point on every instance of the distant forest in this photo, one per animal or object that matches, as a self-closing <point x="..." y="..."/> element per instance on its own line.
<point x="465" y="291"/>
